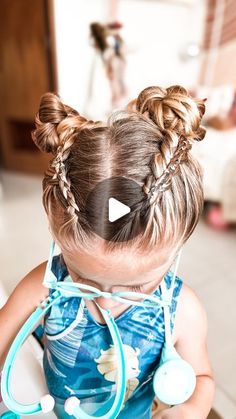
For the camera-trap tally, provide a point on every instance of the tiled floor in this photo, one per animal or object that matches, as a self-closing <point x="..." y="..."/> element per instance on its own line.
<point x="208" y="265"/>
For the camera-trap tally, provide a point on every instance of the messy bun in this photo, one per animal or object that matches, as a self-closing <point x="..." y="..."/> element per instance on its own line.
<point x="177" y="117"/>
<point x="55" y="123"/>
<point x="173" y="110"/>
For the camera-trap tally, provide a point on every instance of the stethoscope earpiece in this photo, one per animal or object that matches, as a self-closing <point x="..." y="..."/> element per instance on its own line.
<point x="47" y="403"/>
<point x="71" y="405"/>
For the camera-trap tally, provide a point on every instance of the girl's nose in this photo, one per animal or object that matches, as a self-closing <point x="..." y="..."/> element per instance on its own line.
<point x="106" y="302"/>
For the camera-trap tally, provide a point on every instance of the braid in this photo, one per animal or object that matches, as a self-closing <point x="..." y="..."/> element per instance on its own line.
<point x="57" y="128"/>
<point x="163" y="182"/>
<point x="67" y="133"/>
<point x="64" y="183"/>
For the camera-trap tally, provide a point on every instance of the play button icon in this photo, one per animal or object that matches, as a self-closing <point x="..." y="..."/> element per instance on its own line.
<point x="115" y="208"/>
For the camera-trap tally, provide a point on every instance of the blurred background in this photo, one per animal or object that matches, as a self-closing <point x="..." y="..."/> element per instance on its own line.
<point x="98" y="55"/>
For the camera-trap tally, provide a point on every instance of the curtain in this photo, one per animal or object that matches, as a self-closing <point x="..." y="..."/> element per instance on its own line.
<point x="219" y="44"/>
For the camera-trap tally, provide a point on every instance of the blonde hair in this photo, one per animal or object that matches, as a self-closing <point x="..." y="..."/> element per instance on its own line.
<point x="149" y="142"/>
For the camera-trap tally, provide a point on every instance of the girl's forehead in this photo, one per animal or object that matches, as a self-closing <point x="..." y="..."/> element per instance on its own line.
<point x="118" y="264"/>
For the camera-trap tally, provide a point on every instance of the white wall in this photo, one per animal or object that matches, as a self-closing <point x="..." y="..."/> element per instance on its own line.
<point x="155" y="32"/>
<point x="72" y="19"/>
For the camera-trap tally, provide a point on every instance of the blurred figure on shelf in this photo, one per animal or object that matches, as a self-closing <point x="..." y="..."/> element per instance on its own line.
<point x="109" y="45"/>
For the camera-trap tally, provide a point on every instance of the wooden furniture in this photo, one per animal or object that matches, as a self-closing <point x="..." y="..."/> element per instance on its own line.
<point x="27" y="70"/>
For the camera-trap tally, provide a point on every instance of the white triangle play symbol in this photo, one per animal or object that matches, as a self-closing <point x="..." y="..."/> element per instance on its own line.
<point x="116" y="209"/>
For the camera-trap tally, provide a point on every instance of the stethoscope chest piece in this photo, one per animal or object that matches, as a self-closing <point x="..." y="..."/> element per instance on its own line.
<point x="174" y="381"/>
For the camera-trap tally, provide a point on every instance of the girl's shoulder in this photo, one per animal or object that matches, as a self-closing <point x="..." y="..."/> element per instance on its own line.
<point x="189" y="303"/>
<point x="190" y="313"/>
<point x="24" y="299"/>
<point x="30" y="291"/>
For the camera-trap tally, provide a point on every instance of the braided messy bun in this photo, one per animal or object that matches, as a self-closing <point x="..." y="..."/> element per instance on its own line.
<point x="55" y="123"/>
<point x="177" y="116"/>
<point x="173" y="110"/>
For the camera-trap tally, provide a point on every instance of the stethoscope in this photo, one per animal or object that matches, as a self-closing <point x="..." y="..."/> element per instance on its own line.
<point x="174" y="380"/>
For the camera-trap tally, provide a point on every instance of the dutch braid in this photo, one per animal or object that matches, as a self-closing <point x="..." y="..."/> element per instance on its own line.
<point x="163" y="182"/>
<point x="57" y="127"/>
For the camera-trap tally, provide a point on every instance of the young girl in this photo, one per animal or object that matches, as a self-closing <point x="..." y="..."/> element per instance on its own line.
<point x="148" y="144"/>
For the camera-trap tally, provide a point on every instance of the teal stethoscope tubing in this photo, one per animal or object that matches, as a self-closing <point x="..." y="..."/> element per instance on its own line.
<point x="71" y="288"/>
<point x="17" y="343"/>
<point x="18" y="408"/>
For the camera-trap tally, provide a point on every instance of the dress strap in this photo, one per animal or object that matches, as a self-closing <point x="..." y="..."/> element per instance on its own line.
<point x="50" y="278"/>
<point x="167" y="293"/>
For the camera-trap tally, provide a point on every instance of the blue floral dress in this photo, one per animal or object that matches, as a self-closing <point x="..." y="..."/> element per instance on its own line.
<point x="80" y="360"/>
